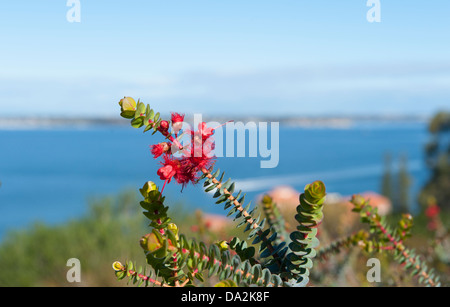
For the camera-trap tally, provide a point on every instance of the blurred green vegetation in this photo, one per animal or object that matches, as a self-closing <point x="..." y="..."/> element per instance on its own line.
<point x="437" y="153"/>
<point x="37" y="256"/>
<point x="109" y="231"/>
<point x="112" y="227"/>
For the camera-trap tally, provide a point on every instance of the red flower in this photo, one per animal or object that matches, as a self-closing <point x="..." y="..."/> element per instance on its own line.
<point x="432" y="211"/>
<point x="208" y="146"/>
<point x="177" y="121"/>
<point x="169" y="169"/>
<point x="204" y="131"/>
<point x="166" y="172"/>
<point x="159" y="149"/>
<point x="195" y="157"/>
<point x="177" y="118"/>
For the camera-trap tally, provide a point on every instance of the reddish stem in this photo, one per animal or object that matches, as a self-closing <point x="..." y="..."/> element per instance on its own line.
<point x="401" y="248"/>
<point x="162" y="189"/>
<point x="147" y="278"/>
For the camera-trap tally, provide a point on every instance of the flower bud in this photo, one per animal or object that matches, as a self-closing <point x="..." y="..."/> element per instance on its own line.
<point x="150" y="242"/>
<point x="315" y="191"/>
<point x="127" y="104"/>
<point x="267" y="201"/>
<point x="174" y="228"/>
<point x="358" y="201"/>
<point x="223" y="245"/>
<point x="164" y="127"/>
<point x="147" y="188"/>
<point x="117" y="266"/>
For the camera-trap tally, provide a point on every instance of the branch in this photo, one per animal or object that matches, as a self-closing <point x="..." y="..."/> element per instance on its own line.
<point x="123" y="271"/>
<point x="225" y="191"/>
<point x="403" y="255"/>
<point x="336" y="246"/>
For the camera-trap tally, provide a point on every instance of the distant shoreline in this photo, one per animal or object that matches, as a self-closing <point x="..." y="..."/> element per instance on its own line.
<point x="24" y="123"/>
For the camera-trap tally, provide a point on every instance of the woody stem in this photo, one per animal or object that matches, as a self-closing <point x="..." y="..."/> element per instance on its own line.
<point x="246" y="215"/>
<point x="399" y="246"/>
<point x="147" y="278"/>
<point x="197" y="255"/>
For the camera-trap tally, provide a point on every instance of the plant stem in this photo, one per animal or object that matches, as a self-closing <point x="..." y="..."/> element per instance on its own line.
<point x="196" y="254"/>
<point x="401" y="248"/>
<point x="246" y="215"/>
<point x="147" y="278"/>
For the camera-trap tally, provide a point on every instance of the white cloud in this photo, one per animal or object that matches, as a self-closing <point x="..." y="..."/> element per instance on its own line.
<point x="298" y="90"/>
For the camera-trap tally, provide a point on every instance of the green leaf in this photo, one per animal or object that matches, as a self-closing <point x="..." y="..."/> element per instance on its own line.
<point x="267" y="276"/>
<point x="266" y="253"/>
<point x="130" y="266"/>
<point x="277" y="281"/>
<point x="249" y="252"/>
<point x="256" y="272"/>
<point x="139" y="110"/>
<point x="156" y="117"/>
<point x="216" y="173"/>
<point x="253" y="233"/>
<point x="127" y="114"/>
<point x="221" y="199"/>
<point x="232" y="211"/>
<point x="137" y="122"/>
<point x="121" y="274"/>
<point x="211" y="187"/>
<point x="171" y="237"/>
<point x="148" y="127"/>
<point x="231" y="188"/>
<point x="225" y="185"/>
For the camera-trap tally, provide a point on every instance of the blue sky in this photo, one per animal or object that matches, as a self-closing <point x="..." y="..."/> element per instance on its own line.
<point x="248" y="57"/>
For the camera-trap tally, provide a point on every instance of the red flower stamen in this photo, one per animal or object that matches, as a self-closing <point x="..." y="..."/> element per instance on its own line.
<point x="159" y="149"/>
<point x="177" y="122"/>
<point x="177" y="118"/>
<point x="194" y="157"/>
<point x="169" y="169"/>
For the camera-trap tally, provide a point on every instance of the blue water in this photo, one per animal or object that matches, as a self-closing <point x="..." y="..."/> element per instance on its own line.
<point x="48" y="175"/>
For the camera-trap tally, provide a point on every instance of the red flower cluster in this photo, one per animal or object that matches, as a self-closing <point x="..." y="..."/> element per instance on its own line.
<point x="432" y="211"/>
<point x="194" y="157"/>
<point x="161" y="148"/>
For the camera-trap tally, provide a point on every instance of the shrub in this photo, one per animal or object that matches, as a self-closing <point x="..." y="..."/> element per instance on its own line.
<point x="269" y="255"/>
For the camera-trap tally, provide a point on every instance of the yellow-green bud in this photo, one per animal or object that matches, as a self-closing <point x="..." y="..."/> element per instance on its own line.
<point x="174" y="228"/>
<point x="127" y="104"/>
<point x="223" y="245"/>
<point x="315" y="191"/>
<point x="117" y="266"/>
<point x="358" y="201"/>
<point x="267" y="201"/>
<point x="150" y="242"/>
<point x="148" y="186"/>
